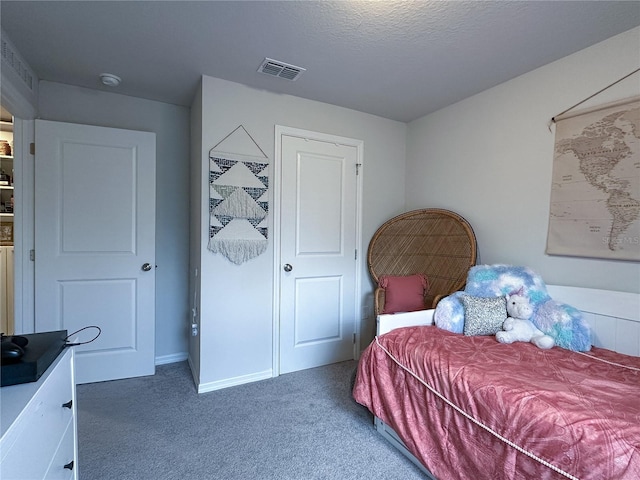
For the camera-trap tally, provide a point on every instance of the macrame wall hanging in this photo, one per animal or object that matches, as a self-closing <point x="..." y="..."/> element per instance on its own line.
<point x="238" y="197"/>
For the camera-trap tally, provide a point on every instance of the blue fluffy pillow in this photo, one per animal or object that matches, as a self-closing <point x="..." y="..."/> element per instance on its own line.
<point x="565" y="324"/>
<point x="499" y="280"/>
<point x="449" y="314"/>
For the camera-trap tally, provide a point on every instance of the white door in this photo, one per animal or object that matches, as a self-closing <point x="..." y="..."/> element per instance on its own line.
<point x="317" y="252"/>
<point x="95" y="244"/>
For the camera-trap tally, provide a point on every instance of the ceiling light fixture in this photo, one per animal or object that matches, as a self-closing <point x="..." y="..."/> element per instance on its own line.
<point x="110" y="80"/>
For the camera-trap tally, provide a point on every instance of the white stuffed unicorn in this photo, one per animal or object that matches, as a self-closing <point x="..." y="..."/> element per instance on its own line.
<point x="518" y="328"/>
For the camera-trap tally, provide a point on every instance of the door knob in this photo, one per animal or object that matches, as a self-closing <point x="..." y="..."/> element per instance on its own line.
<point x="287" y="267"/>
<point x="146" y="267"/>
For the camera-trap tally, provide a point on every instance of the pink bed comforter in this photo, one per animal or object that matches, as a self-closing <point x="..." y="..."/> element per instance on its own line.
<point x="515" y="411"/>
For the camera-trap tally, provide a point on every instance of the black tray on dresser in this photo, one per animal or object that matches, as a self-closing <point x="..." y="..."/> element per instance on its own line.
<point x="39" y="352"/>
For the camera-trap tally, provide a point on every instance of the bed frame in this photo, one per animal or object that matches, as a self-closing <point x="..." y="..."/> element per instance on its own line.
<point x="614" y="318"/>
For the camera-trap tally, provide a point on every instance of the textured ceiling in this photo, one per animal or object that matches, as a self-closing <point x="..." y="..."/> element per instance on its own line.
<point x="396" y="59"/>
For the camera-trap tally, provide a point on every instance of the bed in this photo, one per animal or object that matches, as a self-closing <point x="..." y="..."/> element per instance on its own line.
<point x="471" y="408"/>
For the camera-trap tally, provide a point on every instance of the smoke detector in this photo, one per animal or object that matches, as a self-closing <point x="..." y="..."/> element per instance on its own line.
<point x="280" y="69"/>
<point x="110" y="80"/>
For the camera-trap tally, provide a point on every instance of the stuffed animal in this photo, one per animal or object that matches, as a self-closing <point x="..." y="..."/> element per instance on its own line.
<point x="518" y="328"/>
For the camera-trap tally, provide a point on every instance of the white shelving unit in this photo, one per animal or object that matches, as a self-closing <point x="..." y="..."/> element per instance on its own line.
<point x="6" y="190"/>
<point x="7" y="311"/>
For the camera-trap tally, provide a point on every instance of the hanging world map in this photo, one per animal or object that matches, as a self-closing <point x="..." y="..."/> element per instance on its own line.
<point x="595" y="192"/>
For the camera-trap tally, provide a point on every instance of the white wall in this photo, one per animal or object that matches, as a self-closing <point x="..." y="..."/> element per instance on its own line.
<point x="195" y="232"/>
<point x="67" y="103"/>
<point x="489" y="157"/>
<point x="236" y="301"/>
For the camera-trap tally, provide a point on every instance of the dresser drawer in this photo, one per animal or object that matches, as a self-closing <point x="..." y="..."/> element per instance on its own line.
<point x="30" y="455"/>
<point x="64" y="456"/>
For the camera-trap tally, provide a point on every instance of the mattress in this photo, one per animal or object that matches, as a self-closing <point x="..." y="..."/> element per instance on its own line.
<point x="470" y="407"/>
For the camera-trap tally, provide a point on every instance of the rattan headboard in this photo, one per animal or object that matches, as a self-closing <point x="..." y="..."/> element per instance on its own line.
<point x="438" y="243"/>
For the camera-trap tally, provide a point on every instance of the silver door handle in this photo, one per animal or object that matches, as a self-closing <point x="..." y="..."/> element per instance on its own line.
<point x="287" y="267"/>
<point x="146" y="267"/>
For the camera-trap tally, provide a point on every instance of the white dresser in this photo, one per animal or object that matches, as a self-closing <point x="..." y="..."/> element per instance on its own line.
<point x="38" y="422"/>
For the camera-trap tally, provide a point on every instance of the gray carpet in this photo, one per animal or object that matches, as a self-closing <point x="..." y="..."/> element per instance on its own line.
<point x="302" y="425"/>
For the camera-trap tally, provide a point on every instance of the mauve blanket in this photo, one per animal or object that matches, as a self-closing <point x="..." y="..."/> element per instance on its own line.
<point x="473" y="408"/>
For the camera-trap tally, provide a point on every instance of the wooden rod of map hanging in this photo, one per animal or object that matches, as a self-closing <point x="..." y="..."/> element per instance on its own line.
<point x="553" y="119"/>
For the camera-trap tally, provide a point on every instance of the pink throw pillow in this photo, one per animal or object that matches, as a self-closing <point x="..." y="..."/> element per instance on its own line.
<point x="403" y="293"/>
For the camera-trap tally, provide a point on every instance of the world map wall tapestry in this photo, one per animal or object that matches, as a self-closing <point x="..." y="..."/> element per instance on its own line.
<point x="238" y="197"/>
<point x="595" y="192"/>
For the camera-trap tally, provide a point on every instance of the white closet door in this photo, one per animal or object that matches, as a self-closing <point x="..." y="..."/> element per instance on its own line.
<point x="317" y="249"/>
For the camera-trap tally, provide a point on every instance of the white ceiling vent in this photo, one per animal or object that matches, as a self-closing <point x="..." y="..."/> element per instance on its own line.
<point x="280" y="69"/>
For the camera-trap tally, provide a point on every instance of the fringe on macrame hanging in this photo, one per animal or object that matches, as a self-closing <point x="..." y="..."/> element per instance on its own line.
<point x="238" y="251"/>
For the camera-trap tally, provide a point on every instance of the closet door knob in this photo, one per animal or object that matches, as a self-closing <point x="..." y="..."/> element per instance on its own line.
<point x="146" y="267"/>
<point x="287" y="267"/>
<point x="69" y="466"/>
<point x="68" y="405"/>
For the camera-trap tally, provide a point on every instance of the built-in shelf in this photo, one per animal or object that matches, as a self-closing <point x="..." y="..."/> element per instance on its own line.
<point x="6" y="191"/>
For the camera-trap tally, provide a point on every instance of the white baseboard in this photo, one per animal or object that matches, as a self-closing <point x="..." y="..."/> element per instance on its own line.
<point x="231" y="382"/>
<point x="172" y="358"/>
